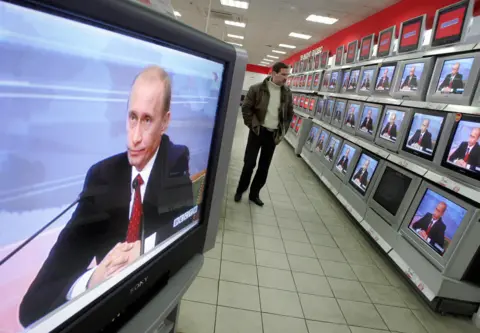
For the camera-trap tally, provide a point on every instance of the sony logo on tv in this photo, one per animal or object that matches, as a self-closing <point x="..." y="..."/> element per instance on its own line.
<point x="139" y="285"/>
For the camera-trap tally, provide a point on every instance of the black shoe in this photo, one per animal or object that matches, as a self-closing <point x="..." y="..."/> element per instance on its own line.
<point x="257" y="201"/>
<point x="238" y="197"/>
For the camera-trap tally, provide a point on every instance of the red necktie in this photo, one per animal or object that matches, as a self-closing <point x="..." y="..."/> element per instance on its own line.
<point x="134" y="225"/>
<point x="408" y="82"/>
<point x="467" y="156"/>
<point x="450" y="85"/>
<point x="389" y="129"/>
<point x="420" y="140"/>
<point x="429" y="228"/>
<point x="147" y="2"/>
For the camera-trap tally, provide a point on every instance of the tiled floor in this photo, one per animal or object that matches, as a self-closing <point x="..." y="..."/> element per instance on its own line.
<point x="299" y="265"/>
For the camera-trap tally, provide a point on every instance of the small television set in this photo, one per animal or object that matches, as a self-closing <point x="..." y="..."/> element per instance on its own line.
<point x="309" y="82"/>
<point x="368" y="122"/>
<point x="321" y="142"/>
<point x="351" y="56"/>
<point x="289" y="81"/>
<point x="339" y="55"/>
<point x="461" y="158"/>
<point x="435" y="223"/>
<point x="331" y="150"/>
<point x="324" y="59"/>
<point x="312" y="135"/>
<point x="385" y="42"/>
<point x="312" y="63"/>
<point x="393" y="192"/>
<point x="293" y="123"/>
<point x="298" y="126"/>
<point x="385" y="78"/>
<point x="366" y="47"/>
<point x="345" y="79"/>
<point x="294" y="68"/>
<point x="316" y="62"/>
<point x="328" y="109"/>
<point x="346" y="160"/>
<point x="366" y="82"/>
<point x="353" y="80"/>
<point x="411" y="34"/>
<point x="362" y="177"/>
<point x="319" y="108"/>
<point x="306" y="103"/>
<point x="295" y="99"/>
<point x="335" y="81"/>
<point x="312" y="105"/>
<point x="412" y="79"/>
<point x="392" y="127"/>
<point x="352" y="116"/>
<point x="302" y="101"/>
<point x="451" y="23"/>
<point x="326" y="81"/>
<point x="339" y="112"/>
<point x="454" y="79"/>
<point x="426" y="134"/>
<point x="317" y="79"/>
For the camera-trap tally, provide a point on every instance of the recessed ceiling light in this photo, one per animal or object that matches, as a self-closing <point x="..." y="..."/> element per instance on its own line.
<point x="301" y="36"/>
<point x="235" y="36"/>
<point x="267" y="60"/>
<point x="235" y="24"/>
<point x="279" y="52"/>
<point x="322" y="19"/>
<point x="237" y="44"/>
<point x="235" y="3"/>
<point x="270" y="56"/>
<point x="287" y="46"/>
<point x="177" y="14"/>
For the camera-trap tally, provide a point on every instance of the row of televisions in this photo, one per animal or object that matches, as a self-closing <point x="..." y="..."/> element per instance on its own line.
<point x="432" y="219"/>
<point x="452" y="80"/>
<point x="450" y="26"/>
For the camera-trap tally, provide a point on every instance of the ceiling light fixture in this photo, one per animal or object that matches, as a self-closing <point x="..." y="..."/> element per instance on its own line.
<point x="235" y="24"/>
<point x="235" y="3"/>
<point x="287" y="46"/>
<point x="235" y="36"/>
<point x="279" y="52"/>
<point x="298" y="35"/>
<point x="267" y="60"/>
<point x="237" y="44"/>
<point x="270" y="56"/>
<point x="321" y="19"/>
<point x="177" y="14"/>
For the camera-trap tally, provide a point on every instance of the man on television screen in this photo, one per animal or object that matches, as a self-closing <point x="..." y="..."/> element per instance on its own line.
<point x="384" y="82"/>
<point x="431" y="227"/>
<point x="343" y="162"/>
<point x="453" y="81"/>
<point x="320" y="142"/>
<point x="330" y="152"/>
<point x="136" y="198"/>
<point x="467" y="155"/>
<point x="366" y="82"/>
<point x="410" y="82"/>
<point x="367" y="123"/>
<point x="350" y="119"/>
<point x="361" y="176"/>
<point x="422" y="139"/>
<point x="353" y="82"/>
<point x="310" y="137"/>
<point x="390" y="130"/>
<point x="346" y="80"/>
<point x="338" y="114"/>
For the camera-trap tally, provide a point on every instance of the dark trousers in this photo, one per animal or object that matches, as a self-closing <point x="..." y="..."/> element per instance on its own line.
<point x="266" y="142"/>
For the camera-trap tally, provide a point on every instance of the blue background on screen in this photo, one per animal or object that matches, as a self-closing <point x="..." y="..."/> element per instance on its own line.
<point x="330" y="105"/>
<point x="344" y="150"/>
<point x="463" y="133"/>
<point x="354" y="75"/>
<point x="356" y="112"/>
<point x="434" y="127"/>
<point x="398" y="121"/>
<point x="334" y="76"/>
<point x="391" y="71"/>
<point x="375" y="114"/>
<point x="418" y="71"/>
<point x="346" y="77"/>
<point x="465" y="68"/>
<point x="368" y="72"/>
<point x="371" y="168"/>
<point x="325" y="135"/>
<point x="335" y="143"/>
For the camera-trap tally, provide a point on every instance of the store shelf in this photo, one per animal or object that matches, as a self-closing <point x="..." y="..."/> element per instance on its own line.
<point x="405" y="163"/>
<point x="453" y="185"/>
<point x="301" y="113"/>
<point x="303" y="91"/>
<point x="357" y="216"/>
<point x="384" y="100"/>
<point x="449" y="50"/>
<point x="462" y="109"/>
<point x="424" y="105"/>
<point x="376" y="237"/>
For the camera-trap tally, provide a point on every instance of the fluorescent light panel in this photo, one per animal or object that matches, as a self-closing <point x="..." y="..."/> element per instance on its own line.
<point x="321" y="19"/>
<point x="237" y="44"/>
<point x="235" y="3"/>
<point x="287" y="46"/>
<point x="235" y="24"/>
<point x="177" y="14"/>
<point x="267" y="60"/>
<point x="298" y="35"/>
<point x="270" y="56"/>
<point x="235" y="36"/>
<point x="279" y="52"/>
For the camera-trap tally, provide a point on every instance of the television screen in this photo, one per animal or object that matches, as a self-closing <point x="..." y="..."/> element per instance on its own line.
<point x="351" y="52"/>
<point x="366" y="79"/>
<point x="316" y="79"/>
<point x="333" y="80"/>
<point x="306" y="103"/>
<point x="302" y="100"/>
<point x="309" y="81"/>
<point x="424" y="133"/>
<point x="385" y="77"/>
<point x="369" y="119"/>
<point x="330" y="107"/>
<point x="333" y="146"/>
<point x="319" y="107"/>
<point x="391" y="190"/>
<point x="363" y="173"/>
<point x="298" y="125"/>
<point x="353" y="114"/>
<point x="121" y="120"/>
<point x="324" y="59"/>
<point x="294" y="121"/>
<point x="311" y="107"/>
<point x="366" y="47"/>
<point x="463" y="150"/>
<point x="339" y="56"/>
<point x="317" y="61"/>
<point x="339" y="110"/>
<point x="353" y="81"/>
<point x="295" y="100"/>
<point x="385" y="42"/>
<point x="392" y="124"/>
<point x="412" y="74"/>
<point x="326" y="80"/>
<point x="454" y="76"/>
<point x="410" y="37"/>
<point x="344" y="158"/>
<point x="436" y="220"/>
<point x="311" y="136"/>
<point x="450" y="24"/>
<point x="346" y="78"/>
<point x="321" y="141"/>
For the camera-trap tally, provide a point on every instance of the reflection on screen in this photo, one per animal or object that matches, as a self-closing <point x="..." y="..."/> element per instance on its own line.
<point x="385" y="42"/>
<point x="391" y="190"/>
<point x="344" y="158"/>
<point x="333" y="146"/>
<point x="322" y="140"/>
<point x="351" y="117"/>
<point x="454" y="76"/>
<point x="353" y="82"/>
<point x="424" y="133"/>
<point x="339" y="109"/>
<point x="367" y="78"/>
<point x="370" y="116"/>
<point x="464" y="150"/>
<point x="363" y="173"/>
<point x="385" y="78"/>
<point x="392" y="124"/>
<point x="436" y="220"/>
<point x="450" y="23"/>
<point x="412" y="74"/>
<point x="366" y="45"/>
<point x="411" y="34"/>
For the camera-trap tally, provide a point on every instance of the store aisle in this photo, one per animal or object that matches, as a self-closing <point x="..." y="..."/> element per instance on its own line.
<point x="299" y="265"/>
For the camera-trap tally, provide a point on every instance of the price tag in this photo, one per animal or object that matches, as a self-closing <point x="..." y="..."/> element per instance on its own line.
<point x="436" y="106"/>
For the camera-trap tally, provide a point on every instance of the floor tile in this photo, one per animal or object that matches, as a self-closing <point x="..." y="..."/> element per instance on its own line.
<point x="361" y="314"/>
<point x="315" y="227"/>
<point x="275" y="278"/>
<point x="385" y="295"/>
<point x="281" y="324"/>
<point x="264" y="219"/>
<point x="329" y="253"/>
<point x="239" y="226"/>
<point x="237" y="238"/>
<point x="299" y="249"/>
<point x="196" y="317"/>
<point x="369" y="274"/>
<point x="280" y="302"/>
<point x="400" y="319"/>
<point x="312" y="284"/>
<point x="269" y="244"/>
<point x="215" y="253"/>
<point x="356" y="329"/>
<point x="238" y="254"/>
<point x="347" y="242"/>
<point x="305" y="265"/>
<point x="272" y="259"/>
<point x="321" y="239"/>
<point x="337" y="270"/>
<point x="320" y="327"/>
<point x="265" y="210"/>
<point x="349" y="290"/>
<point x="294" y="235"/>
<point x="241" y="273"/>
<point x="321" y="308"/>
<point x="202" y="290"/>
<point x="240" y="296"/>
<point x="238" y="321"/>
<point x="266" y="231"/>
<point x="358" y="257"/>
<point x="290" y="223"/>
<point x="210" y="268"/>
<point x="240" y="213"/>
<point x="307" y="215"/>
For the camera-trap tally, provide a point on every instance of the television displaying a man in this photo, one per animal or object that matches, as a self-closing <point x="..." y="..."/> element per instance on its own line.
<point x="346" y="79"/>
<point x="353" y="82"/>
<point x="332" y="148"/>
<point x="345" y="157"/>
<point x="424" y="133"/>
<point x="370" y="116"/>
<point x="465" y="147"/>
<point x="412" y="74"/>
<point x="366" y="80"/>
<point x="311" y="136"/>
<point x="339" y="110"/>
<point x="454" y="75"/>
<point x="351" y="117"/>
<point x="385" y="76"/>
<point x="321" y="141"/>
<point x="333" y="80"/>
<point x="392" y="124"/>
<point x="363" y="173"/>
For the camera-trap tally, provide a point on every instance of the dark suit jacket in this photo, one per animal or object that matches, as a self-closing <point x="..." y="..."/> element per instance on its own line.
<point x="412" y="84"/>
<point x="456" y="84"/>
<point x="367" y="123"/>
<point x="426" y="142"/>
<point x="320" y="145"/>
<point x="437" y="233"/>
<point x="330" y="153"/>
<point x="385" y="85"/>
<point x="100" y="222"/>
<point x="338" y="116"/>
<point x="393" y="130"/>
<point x="343" y="163"/>
<point x="473" y="158"/>
<point x="363" y="178"/>
<point x="365" y="84"/>
<point x="350" y="119"/>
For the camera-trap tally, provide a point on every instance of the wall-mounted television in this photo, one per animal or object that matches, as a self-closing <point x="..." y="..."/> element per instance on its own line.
<point x="312" y="135"/>
<point x="454" y="79"/>
<point x="393" y="126"/>
<point x="451" y="22"/>
<point x="385" y="78"/>
<point x="366" y="47"/>
<point x="321" y="142"/>
<point x="339" y="55"/>
<point x="319" y="108"/>
<point x="335" y="81"/>
<point x="325" y="81"/>
<point x="331" y="150"/>
<point x="346" y="160"/>
<point x="411" y="34"/>
<point x="339" y="112"/>
<point x="412" y="79"/>
<point x="368" y="121"/>
<point x="352" y="49"/>
<point x="353" y="80"/>
<point x="352" y="116"/>
<point x="385" y="42"/>
<point x="324" y="59"/>
<point x="393" y="192"/>
<point x="317" y="79"/>
<point x="328" y="109"/>
<point x="364" y="174"/>
<point x="366" y="82"/>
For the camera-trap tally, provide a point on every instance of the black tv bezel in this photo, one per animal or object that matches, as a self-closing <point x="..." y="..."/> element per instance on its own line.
<point x="370" y="50"/>
<point x="415" y="46"/>
<point x="405" y="139"/>
<point x="139" y="21"/>
<point x="339" y="62"/>
<point x="454" y="38"/>
<point x="383" y="54"/>
<point x="355" y="51"/>
<point x="444" y="162"/>
<point x="379" y="70"/>
<point x="371" y="155"/>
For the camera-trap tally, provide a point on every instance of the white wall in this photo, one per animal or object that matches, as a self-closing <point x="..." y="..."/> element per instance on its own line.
<point x="252" y="78"/>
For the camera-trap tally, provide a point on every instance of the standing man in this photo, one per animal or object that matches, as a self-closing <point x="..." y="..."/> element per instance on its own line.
<point x="267" y="110"/>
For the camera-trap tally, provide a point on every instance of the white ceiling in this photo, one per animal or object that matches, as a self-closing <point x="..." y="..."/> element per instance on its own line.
<point x="270" y="21"/>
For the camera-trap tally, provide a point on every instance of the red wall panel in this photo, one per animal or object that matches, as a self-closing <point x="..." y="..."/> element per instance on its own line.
<point x="258" y="69"/>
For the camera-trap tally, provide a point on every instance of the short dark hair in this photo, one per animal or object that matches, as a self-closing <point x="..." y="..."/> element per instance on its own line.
<point x="279" y="66"/>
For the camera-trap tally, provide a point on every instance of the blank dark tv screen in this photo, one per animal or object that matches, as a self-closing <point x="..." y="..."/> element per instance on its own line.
<point x="391" y="190"/>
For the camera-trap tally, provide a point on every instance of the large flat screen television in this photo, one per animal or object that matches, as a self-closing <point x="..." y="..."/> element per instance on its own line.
<point x="385" y="42"/>
<point x="339" y="55"/>
<point x="392" y="127"/>
<point x="352" y="116"/>
<point x="354" y="77"/>
<point x="339" y="112"/>
<point x="368" y="121"/>
<point x="113" y="125"/>
<point x="451" y="22"/>
<point x="366" y="47"/>
<point x="352" y="49"/>
<point x="316" y="62"/>
<point x="308" y="86"/>
<point x="385" y="78"/>
<point x="331" y="150"/>
<point x="412" y="79"/>
<point x="346" y="160"/>
<point x="454" y="79"/>
<point x="411" y="34"/>
<point x="366" y="82"/>
<point x="362" y="178"/>
<point x="321" y="142"/>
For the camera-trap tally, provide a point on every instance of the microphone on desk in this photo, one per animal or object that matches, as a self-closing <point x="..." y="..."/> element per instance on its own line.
<point x="142" y="226"/>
